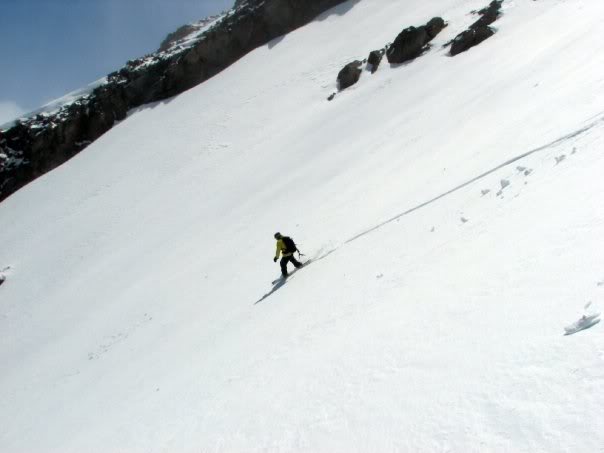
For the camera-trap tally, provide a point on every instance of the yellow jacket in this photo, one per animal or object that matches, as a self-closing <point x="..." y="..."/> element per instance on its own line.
<point x="281" y="249"/>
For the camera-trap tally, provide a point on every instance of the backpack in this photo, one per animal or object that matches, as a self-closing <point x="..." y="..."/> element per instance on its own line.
<point x="290" y="245"/>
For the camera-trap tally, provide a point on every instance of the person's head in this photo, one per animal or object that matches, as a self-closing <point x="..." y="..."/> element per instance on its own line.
<point x="278" y="236"/>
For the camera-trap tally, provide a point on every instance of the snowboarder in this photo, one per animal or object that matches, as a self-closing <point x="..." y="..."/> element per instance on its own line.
<point x="286" y="247"/>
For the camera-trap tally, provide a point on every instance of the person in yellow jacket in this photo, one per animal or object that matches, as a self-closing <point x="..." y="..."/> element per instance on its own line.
<point x="286" y="248"/>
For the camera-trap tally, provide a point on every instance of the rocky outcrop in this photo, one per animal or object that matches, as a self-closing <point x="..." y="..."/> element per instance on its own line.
<point x="188" y="32"/>
<point x="374" y="59"/>
<point x="174" y="37"/>
<point x="349" y="75"/>
<point x="470" y="38"/>
<point x="409" y="44"/>
<point x="435" y="26"/>
<point x="38" y="144"/>
<point x="412" y="41"/>
<point x="489" y="14"/>
<point x="479" y="30"/>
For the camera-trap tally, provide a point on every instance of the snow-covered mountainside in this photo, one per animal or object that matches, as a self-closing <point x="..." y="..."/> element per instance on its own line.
<point x="452" y="209"/>
<point x="45" y="139"/>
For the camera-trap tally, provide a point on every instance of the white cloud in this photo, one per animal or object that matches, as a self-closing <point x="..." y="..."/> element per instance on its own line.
<point x="9" y="111"/>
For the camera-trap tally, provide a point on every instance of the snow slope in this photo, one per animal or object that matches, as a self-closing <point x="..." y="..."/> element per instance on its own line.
<point x="434" y="314"/>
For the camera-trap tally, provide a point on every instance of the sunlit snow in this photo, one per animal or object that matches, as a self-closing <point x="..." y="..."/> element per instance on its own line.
<point x="452" y="207"/>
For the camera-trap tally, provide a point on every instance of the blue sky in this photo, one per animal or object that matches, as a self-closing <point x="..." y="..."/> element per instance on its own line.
<point x="51" y="47"/>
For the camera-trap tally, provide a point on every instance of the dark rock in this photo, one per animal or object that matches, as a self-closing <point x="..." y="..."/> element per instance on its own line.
<point x="407" y="45"/>
<point x="331" y="96"/>
<point x="482" y="33"/>
<point x="2" y="279"/>
<point x="349" y="75"/>
<point x="374" y="60"/>
<point x="470" y="38"/>
<point x="435" y="26"/>
<point x="488" y="15"/>
<point x="479" y="30"/>
<point x="412" y="41"/>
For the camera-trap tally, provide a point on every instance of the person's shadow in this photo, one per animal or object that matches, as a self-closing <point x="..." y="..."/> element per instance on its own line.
<point x="281" y="281"/>
<point x="278" y="284"/>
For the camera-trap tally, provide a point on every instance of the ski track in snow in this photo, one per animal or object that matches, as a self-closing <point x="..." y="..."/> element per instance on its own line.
<point x="504" y="184"/>
<point x="118" y="337"/>
<point x="280" y="282"/>
<point x="585" y="322"/>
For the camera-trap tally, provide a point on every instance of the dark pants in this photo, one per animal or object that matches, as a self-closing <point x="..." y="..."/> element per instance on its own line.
<point x="287" y="259"/>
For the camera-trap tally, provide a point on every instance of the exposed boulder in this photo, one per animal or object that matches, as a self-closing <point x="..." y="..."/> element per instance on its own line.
<point x="349" y="75"/>
<point x="435" y="26"/>
<point x="412" y="41"/>
<point x="374" y="59"/>
<point x="408" y="45"/>
<point x="470" y="38"/>
<point x="489" y="14"/>
<point x="479" y="30"/>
